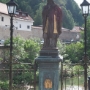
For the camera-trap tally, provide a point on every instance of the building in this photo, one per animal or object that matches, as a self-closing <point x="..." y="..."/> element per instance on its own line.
<point x="69" y="36"/>
<point x="4" y="17"/>
<point x="22" y="21"/>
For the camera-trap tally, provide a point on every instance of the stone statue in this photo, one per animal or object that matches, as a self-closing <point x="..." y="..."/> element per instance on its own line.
<point x="52" y="19"/>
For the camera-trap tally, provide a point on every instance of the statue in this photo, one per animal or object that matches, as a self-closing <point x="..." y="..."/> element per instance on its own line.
<point x="52" y="18"/>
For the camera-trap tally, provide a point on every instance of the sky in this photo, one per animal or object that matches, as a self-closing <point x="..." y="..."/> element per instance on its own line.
<point x="80" y="1"/>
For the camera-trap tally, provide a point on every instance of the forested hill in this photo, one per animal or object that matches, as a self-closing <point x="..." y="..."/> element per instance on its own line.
<point x="71" y="12"/>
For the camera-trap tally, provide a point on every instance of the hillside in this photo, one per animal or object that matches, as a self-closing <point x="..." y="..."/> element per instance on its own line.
<point x="71" y="12"/>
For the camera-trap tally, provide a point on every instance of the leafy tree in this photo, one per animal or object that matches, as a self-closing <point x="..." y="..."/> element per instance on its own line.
<point x="24" y="49"/>
<point x="75" y="10"/>
<point x="88" y="35"/>
<point x="4" y="85"/>
<point x="24" y="52"/>
<point x="32" y="49"/>
<point x="62" y="48"/>
<point x="38" y="16"/>
<point x="74" y="51"/>
<point x="68" y="21"/>
<point x="60" y="2"/>
<point x="18" y="49"/>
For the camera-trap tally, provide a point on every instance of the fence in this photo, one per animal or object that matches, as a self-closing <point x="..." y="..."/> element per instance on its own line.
<point x="23" y="78"/>
<point x="72" y="78"/>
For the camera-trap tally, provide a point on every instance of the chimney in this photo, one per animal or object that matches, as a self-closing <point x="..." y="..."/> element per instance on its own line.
<point x="20" y="12"/>
<point x="26" y="14"/>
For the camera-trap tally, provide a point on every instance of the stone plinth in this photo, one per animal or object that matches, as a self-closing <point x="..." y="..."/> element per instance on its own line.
<point x="48" y="63"/>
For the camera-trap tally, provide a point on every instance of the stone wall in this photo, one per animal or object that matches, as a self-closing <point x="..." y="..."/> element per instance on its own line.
<point x="67" y="36"/>
<point x="35" y="32"/>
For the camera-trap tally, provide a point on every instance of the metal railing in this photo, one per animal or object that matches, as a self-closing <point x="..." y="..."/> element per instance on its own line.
<point x="72" y="79"/>
<point x="23" y="79"/>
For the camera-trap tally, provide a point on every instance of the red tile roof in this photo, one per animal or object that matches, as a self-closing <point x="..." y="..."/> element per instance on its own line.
<point x="22" y="15"/>
<point x="76" y="29"/>
<point x="19" y="14"/>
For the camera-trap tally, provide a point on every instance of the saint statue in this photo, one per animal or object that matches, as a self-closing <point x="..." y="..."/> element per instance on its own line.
<point x="52" y="21"/>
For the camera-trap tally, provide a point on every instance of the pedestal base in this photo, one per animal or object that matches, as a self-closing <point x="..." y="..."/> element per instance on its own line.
<point x="49" y="52"/>
<point x="48" y="70"/>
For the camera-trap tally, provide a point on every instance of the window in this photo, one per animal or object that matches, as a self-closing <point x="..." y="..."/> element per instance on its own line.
<point x="16" y="28"/>
<point x="2" y="18"/>
<point x="28" y="27"/>
<point x="20" y="26"/>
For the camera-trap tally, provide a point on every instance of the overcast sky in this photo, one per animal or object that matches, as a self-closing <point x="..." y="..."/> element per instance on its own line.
<point x="80" y="1"/>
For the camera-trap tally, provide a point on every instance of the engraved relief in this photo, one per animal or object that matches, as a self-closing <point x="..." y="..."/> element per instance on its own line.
<point x="48" y="83"/>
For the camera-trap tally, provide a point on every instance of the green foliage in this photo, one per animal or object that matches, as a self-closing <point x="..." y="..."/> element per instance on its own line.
<point x="68" y="21"/>
<point x="88" y="35"/>
<point x="71" y="53"/>
<point x="32" y="48"/>
<point x="18" y="48"/>
<point x="62" y="48"/>
<point x="23" y="49"/>
<point x="24" y="53"/>
<point x="75" y="10"/>
<point x="74" y="51"/>
<point x="24" y="78"/>
<point x="1" y="59"/>
<point x="78" y="69"/>
<point x="38" y="16"/>
<point x="4" y="85"/>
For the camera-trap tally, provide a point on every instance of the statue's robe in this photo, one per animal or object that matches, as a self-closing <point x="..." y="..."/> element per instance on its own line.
<point x="52" y="18"/>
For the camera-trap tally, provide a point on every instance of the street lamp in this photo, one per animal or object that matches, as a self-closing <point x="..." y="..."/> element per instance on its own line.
<point x="11" y="6"/>
<point x="85" y="12"/>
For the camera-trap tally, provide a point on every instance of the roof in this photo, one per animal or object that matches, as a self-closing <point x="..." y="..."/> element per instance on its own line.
<point x="3" y="8"/>
<point x="65" y="29"/>
<point x="23" y="15"/>
<point x="36" y="27"/>
<point x="19" y="14"/>
<point x="76" y="29"/>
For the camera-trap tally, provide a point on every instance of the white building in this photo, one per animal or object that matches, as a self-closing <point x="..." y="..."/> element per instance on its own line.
<point x="22" y="21"/>
<point x="4" y="17"/>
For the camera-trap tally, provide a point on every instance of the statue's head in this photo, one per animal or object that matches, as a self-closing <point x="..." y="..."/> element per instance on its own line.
<point x="50" y="1"/>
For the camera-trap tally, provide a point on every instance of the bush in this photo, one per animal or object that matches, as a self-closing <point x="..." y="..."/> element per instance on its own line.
<point x="4" y="85"/>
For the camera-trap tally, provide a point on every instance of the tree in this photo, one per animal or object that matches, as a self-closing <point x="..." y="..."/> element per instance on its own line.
<point x="62" y="48"/>
<point x="24" y="51"/>
<point x="18" y="48"/>
<point x="76" y="12"/>
<point x="88" y="36"/>
<point x="68" y="21"/>
<point x="74" y="51"/>
<point x="32" y="48"/>
<point x="38" y="16"/>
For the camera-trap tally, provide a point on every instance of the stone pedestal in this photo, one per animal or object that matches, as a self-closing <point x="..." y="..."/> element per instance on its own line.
<point x="48" y="63"/>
